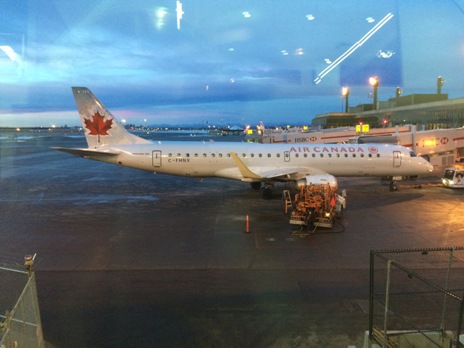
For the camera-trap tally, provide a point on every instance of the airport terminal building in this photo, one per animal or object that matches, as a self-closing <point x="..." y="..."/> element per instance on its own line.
<point x="426" y="111"/>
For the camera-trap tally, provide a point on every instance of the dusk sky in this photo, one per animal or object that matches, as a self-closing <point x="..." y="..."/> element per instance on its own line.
<point x="221" y="62"/>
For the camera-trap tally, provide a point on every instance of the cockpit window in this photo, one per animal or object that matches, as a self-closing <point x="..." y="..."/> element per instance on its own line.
<point x="412" y="154"/>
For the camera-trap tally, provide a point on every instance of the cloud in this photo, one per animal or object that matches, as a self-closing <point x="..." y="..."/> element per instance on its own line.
<point x="220" y="57"/>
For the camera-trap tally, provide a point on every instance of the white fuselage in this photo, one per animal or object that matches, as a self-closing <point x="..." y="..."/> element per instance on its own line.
<point x="304" y="164"/>
<point x="213" y="159"/>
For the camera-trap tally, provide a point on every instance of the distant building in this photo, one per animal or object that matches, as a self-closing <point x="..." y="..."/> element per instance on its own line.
<point x="426" y="111"/>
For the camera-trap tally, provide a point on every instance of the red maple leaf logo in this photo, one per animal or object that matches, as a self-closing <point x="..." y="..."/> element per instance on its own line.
<point x="373" y="150"/>
<point x="97" y="126"/>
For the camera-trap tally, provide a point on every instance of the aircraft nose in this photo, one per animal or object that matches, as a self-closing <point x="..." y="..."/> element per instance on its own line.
<point x="428" y="167"/>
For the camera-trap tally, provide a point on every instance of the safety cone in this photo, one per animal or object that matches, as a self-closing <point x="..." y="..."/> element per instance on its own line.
<point x="247" y="224"/>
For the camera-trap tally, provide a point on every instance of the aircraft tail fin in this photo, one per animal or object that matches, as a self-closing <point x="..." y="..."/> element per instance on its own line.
<point x="263" y="129"/>
<point x="100" y="126"/>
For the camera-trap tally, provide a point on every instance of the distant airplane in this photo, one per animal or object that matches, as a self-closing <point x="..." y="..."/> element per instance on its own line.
<point x="304" y="164"/>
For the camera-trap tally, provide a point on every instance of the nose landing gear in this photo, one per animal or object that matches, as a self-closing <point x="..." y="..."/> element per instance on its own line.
<point x="393" y="185"/>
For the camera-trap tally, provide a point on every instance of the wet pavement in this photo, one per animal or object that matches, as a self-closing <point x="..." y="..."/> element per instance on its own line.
<point x="130" y="258"/>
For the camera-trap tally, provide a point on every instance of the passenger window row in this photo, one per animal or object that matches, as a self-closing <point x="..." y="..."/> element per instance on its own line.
<point x="277" y="155"/>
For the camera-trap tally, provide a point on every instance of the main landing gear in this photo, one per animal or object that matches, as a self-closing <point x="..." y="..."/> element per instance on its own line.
<point x="265" y="191"/>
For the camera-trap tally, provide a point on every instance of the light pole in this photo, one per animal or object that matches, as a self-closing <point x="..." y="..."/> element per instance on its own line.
<point x="398" y="94"/>
<point x="374" y="81"/>
<point x="440" y="82"/>
<point x="346" y="94"/>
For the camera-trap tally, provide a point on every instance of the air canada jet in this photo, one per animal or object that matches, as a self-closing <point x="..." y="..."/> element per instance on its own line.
<point x="261" y="165"/>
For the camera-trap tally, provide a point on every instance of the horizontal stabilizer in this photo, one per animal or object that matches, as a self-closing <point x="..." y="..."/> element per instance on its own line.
<point x="88" y="153"/>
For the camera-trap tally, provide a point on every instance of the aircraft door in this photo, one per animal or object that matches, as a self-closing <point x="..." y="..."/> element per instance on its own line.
<point x="397" y="159"/>
<point x="156" y="158"/>
<point x="287" y="156"/>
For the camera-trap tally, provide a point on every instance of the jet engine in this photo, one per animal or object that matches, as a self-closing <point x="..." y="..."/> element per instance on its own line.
<point x="320" y="179"/>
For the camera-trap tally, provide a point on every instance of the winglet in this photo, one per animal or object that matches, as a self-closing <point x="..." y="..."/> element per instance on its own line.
<point x="244" y="170"/>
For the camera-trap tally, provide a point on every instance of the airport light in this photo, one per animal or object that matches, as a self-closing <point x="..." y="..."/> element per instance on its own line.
<point x="374" y="82"/>
<point x="440" y="83"/>
<point x="398" y="94"/>
<point x="346" y="94"/>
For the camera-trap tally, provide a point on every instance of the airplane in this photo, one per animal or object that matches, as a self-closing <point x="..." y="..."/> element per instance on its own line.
<point x="254" y="163"/>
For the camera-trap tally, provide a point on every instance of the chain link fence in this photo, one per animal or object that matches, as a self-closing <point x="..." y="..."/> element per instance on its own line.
<point x="416" y="291"/>
<point x="20" y="324"/>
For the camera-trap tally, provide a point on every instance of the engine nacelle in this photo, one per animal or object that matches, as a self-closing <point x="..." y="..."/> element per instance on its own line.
<point x="316" y="180"/>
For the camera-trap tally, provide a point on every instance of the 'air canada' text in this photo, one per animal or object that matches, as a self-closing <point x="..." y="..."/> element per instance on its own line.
<point x="328" y="149"/>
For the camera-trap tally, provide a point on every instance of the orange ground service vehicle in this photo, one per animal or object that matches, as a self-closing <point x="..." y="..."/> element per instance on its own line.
<point x="317" y="206"/>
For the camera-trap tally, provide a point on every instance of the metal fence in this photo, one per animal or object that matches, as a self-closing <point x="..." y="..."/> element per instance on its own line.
<point x="416" y="291"/>
<point x="20" y="324"/>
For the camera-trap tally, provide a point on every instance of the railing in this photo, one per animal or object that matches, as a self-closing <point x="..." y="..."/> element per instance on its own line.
<point x="416" y="291"/>
<point x="20" y="324"/>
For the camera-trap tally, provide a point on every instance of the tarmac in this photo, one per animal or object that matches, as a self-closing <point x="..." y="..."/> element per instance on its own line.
<point x="131" y="258"/>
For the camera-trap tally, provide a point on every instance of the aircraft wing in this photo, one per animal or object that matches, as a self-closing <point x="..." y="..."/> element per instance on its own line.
<point x="282" y="173"/>
<point x="286" y="172"/>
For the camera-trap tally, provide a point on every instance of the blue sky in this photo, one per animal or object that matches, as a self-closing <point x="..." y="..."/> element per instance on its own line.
<point x="230" y="62"/>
